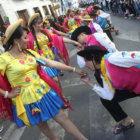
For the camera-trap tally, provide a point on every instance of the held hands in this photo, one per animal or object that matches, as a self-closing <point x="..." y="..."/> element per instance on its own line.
<point x="86" y="79"/>
<point x="80" y="72"/>
<point x="80" y="48"/>
<point x="14" y="92"/>
<point x="78" y="44"/>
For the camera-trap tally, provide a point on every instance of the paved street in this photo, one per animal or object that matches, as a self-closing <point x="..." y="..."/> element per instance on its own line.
<point x="89" y="115"/>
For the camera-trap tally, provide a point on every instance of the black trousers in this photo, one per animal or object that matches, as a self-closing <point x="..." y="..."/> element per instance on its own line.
<point x="108" y="34"/>
<point x="113" y="106"/>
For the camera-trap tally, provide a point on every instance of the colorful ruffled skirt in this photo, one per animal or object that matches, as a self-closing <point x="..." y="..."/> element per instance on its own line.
<point x="49" y="106"/>
<point x="51" y="71"/>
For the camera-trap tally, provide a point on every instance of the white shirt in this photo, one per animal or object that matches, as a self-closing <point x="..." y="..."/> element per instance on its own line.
<point x="104" y="92"/>
<point x="125" y="59"/>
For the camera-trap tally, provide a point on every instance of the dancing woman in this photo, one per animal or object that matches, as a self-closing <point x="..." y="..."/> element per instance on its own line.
<point x="46" y="25"/>
<point x="46" y="45"/>
<point x="33" y="100"/>
<point x="71" y="23"/>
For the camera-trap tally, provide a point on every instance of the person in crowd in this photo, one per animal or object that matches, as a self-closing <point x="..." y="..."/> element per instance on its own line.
<point x="114" y="7"/>
<point x="87" y="21"/>
<point x="136" y="4"/>
<point x="71" y="21"/>
<point x="120" y="10"/>
<point x="46" y="25"/>
<point x="112" y="88"/>
<point x="78" y="17"/>
<point x="83" y="35"/>
<point x="127" y="13"/>
<point x="102" y="14"/>
<point x="66" y="20"/>
<point x="53" y="23"/>
<point x="88" y="8"/>
<point x="56" y="40"/>
<point x="103" y="23"/>
<point x="28" y="96"/>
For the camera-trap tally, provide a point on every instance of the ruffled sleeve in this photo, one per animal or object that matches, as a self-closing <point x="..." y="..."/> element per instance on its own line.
<point x="3" y="65"/>
<point x="34" y="53"/>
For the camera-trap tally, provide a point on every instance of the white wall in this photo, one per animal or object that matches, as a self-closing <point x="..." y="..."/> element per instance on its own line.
<point x="10" y="7"/>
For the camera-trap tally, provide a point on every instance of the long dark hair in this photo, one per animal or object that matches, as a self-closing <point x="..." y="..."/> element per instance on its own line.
<point x="97" y="57"/>
<point x="33" y="31"/>
<point x="16" y="35"/>
<point x="53" y="24"/>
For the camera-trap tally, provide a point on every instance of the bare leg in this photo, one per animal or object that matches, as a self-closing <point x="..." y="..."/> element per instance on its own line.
<point x="46" y="130"/>
<point x="57" y="81"/>
<point x="62" y="119"/>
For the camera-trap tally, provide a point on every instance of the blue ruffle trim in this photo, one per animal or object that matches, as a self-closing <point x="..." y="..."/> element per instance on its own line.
<point x="49" y="106"/>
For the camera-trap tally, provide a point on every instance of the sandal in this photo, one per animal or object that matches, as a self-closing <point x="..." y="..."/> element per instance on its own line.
<point x="120" y="128"/>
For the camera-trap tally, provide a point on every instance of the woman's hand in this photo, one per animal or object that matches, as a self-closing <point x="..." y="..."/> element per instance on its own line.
<point x="14" y="92"/>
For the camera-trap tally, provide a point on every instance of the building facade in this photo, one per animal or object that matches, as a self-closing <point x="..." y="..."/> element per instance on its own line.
<point x="12" y="10"/>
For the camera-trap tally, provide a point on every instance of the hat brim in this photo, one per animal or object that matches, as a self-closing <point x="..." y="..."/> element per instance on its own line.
<point x="32" y="18"/>
<point x="78" y="31"/>
<point x="91" y="50"/>
<point x="15" y="26"/>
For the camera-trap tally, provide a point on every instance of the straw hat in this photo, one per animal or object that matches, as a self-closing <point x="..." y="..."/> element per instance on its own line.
<point x="87" y="18"/>
<point x="11" y="29"/>
<point x="32" y="18"/>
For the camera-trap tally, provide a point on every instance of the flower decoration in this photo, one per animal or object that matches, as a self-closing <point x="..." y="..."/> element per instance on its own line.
<point x="133" y="55"/>
<point x="21" y="61"/>
<point x="38" y="91"/>
<point x="27" y="79"/>
<point x="34" y="75"/>
<point x="43" y="87"/>
<point x="123" y="54"/>
<point x="31" y="60"/>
